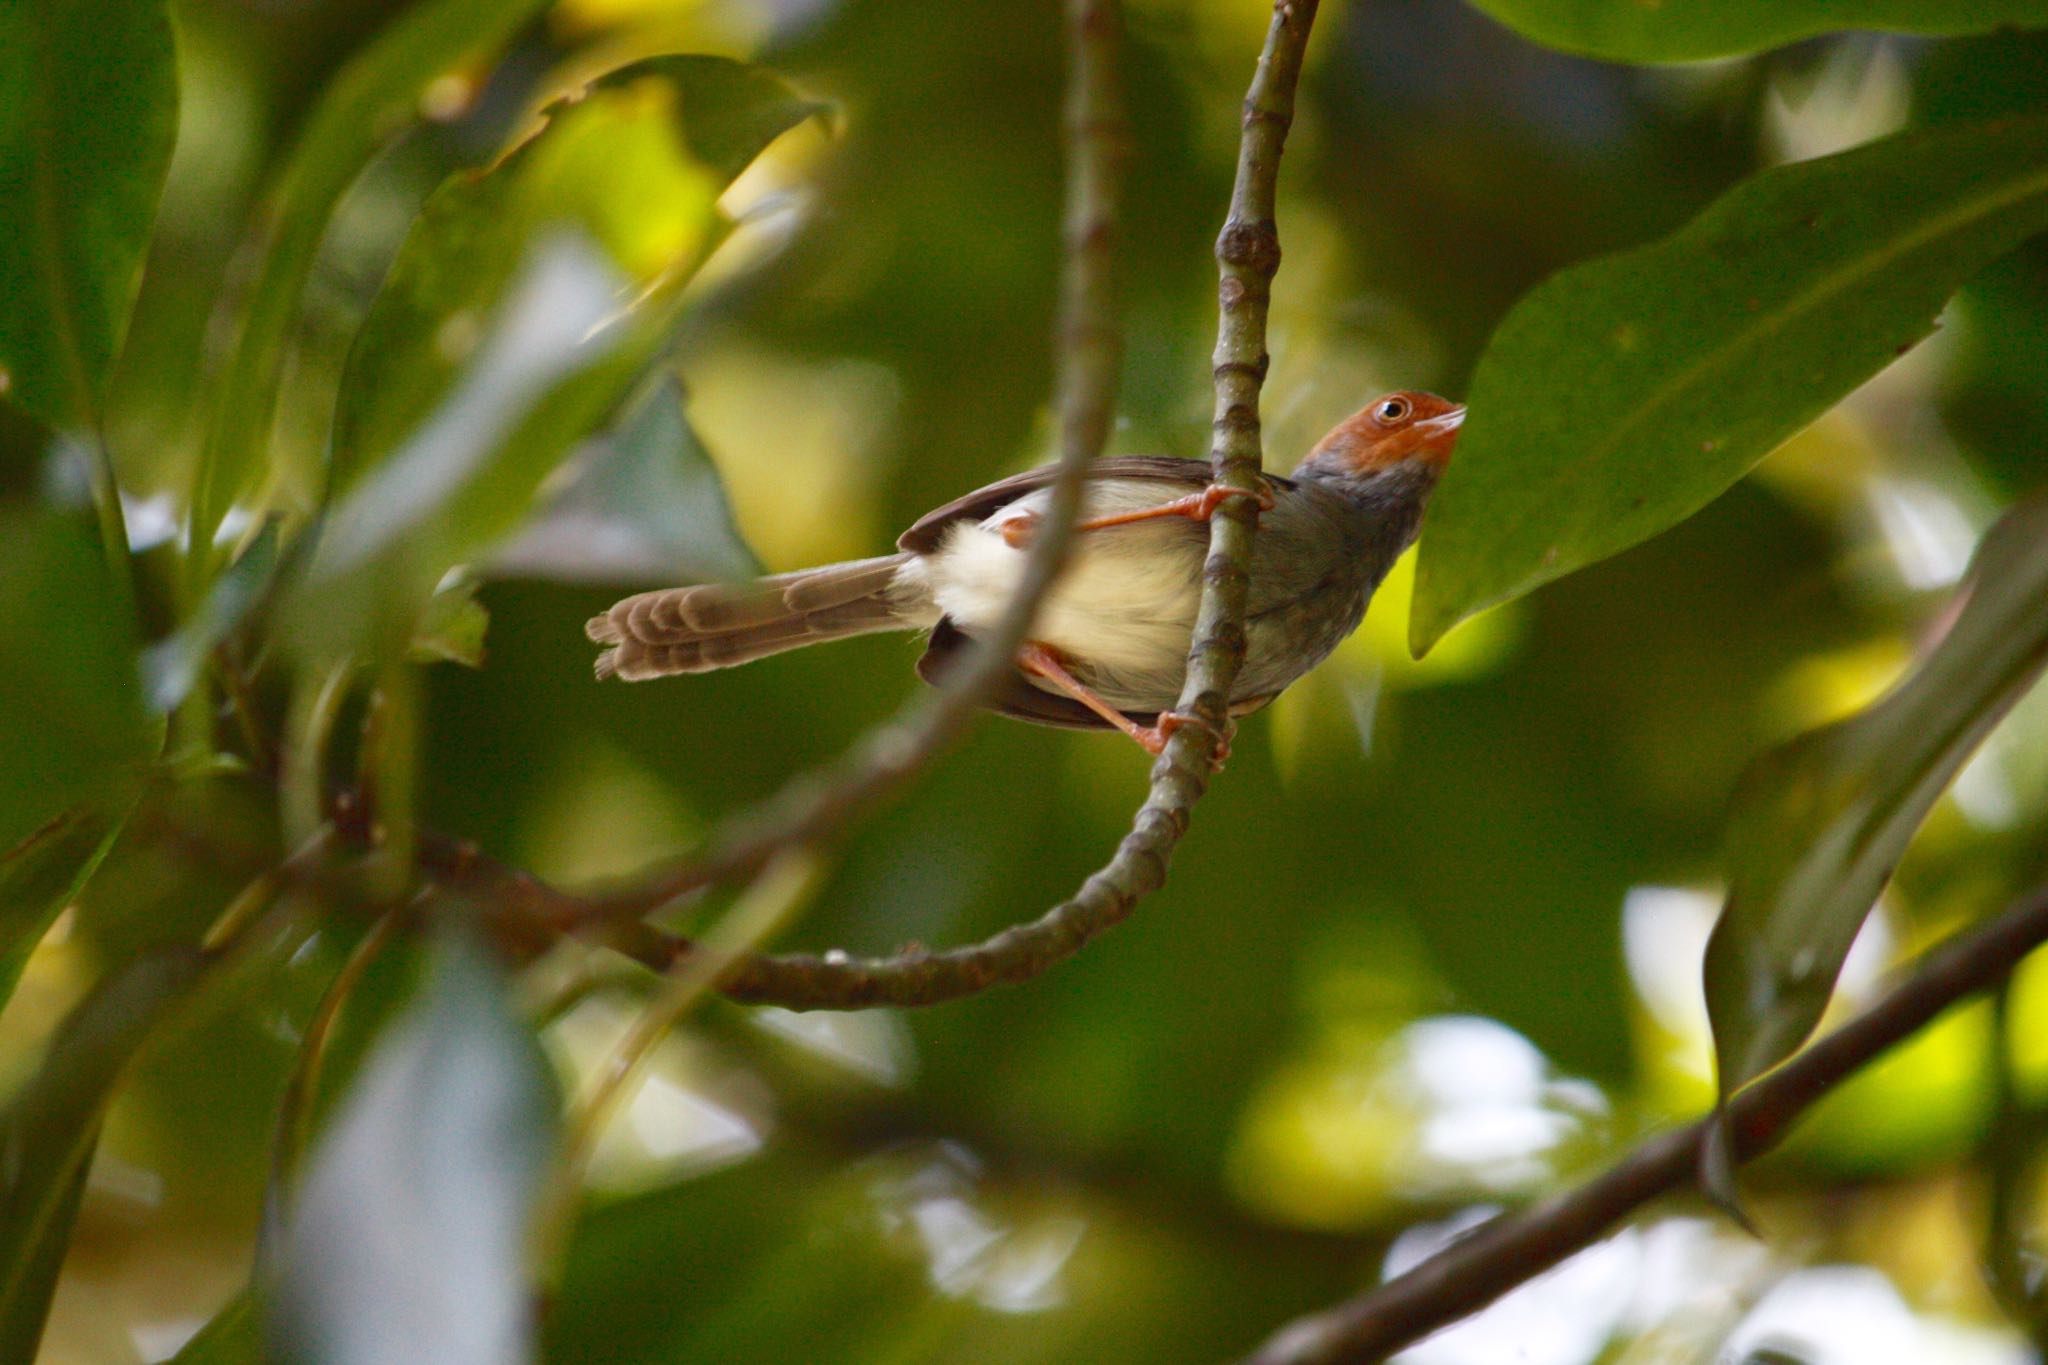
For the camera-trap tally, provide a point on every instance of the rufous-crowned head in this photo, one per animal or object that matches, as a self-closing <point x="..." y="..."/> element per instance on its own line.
<point x="1407" y="424"/>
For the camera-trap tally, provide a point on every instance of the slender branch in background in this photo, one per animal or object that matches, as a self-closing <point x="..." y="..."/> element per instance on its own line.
<point x="1513" y="1249"/>
<point x="1090" y="352"/>
<point x="1249" y="253"/>
<point x="766" y="905"/>
<point x="528" y="913"/>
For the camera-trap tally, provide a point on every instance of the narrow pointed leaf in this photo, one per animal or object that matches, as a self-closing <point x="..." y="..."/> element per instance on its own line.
<point x="43" y="874"/>
<point x="73" y="730"/>
<point x="88" y="113"/>
<point x="553" y="364"/>
<point x="48" y="1131"/>
<point x="635" y="162"/>
<point x="172" y="665"/>
<point x="453" y="626"/>
<point x="1622" y="396"/>
<point x="233" y="1337"/>
<point x="1694" y="30"/>
<point x="408" y="1239"/>
<point x="1818" y="825"/>
<point x="369" y="103"/>
<point x="641" y="503"/>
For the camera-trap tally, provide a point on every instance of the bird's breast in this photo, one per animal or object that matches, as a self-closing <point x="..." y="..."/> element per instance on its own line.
<point x="1123" y="611"/>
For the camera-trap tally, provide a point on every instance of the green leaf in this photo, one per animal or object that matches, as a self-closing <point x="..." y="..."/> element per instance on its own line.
<point x="88" y="114"/>
<point x="642" y="502"/>
<point x="49" y="1130"/>
<point x="370" y="102"/>
<point x="635" y="161"/>
<point x="1623" y="395"/>
<point x="553" y="363"/>
<point x="172" y="665"/>
<point x="233" y="1337"/>
<point x="453" y="626"/>
<point x="43" y="874"/>
<point x="73" y="730"/>
<point x="1818" y="825"/>
<point x="1694" y="30"/>
<point x="408" y="1239"/>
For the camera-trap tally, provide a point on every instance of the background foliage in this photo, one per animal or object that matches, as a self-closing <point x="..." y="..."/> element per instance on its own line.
<point x="1434" y="944"/>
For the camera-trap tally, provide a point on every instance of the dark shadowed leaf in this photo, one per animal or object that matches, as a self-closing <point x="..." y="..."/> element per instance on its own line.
<point x="408" y="1238"/>
<point x="374" y="98"/>
<point x="172" y="665"/>
<point x="43" y="874"/>
<point x="1691" y="30"/>
<point x="233" y="1337"/>
<point x="1623" y="395"/>
<point x="50" y="1128"/>
<point x="73" y="730"/>
<point x="642" y="502"/>
<point x="1818" y="825"/>
<point x="635" y="162"/>
<point x="88" y="113"/>
<point x="552" y="364"/>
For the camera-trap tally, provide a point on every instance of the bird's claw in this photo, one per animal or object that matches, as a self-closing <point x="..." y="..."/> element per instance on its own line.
<point x="1154" y="737"/>
<point x="1216" y="494"/>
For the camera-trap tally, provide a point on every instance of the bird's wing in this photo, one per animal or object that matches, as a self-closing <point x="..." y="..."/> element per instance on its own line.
<point x="1014" y="695"/>
<point x="923" y="537"/>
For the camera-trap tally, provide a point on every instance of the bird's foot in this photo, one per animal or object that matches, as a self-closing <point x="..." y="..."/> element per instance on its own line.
<point x="1195" y="507"/>
<point x="1154" y="737"/>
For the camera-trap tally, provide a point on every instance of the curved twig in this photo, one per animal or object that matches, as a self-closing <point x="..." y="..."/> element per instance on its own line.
<point x="1509" y="1251"/>
<point x="1248" y="253"/>
<point x="812" y="809"/>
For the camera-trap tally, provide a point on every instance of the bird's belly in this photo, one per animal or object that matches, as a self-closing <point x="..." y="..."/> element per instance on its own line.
<point x="1121" y="614"/>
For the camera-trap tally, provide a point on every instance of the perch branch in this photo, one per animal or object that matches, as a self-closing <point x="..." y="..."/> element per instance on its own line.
<point x="1513" y="1249"/>
<point x="1090" y="348"/>
<point x="1248" y="253"/>
<point x="529" y="914"/>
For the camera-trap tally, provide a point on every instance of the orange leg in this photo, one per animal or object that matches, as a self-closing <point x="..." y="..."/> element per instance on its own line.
<point x="1037" y="659"/>
<point x="1019" y="532"/>
<point x="1195" y="507"/>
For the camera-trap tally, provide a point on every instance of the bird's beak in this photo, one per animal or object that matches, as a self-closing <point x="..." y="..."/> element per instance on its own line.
<point x="1436" y="435"/>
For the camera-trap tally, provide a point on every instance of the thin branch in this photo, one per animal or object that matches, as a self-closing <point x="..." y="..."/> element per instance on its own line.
<point x="529" y="914"/>
<point x="1090" y="348"/>
<point x="1513" y="1249"/>
<point x="1248" y="252"/>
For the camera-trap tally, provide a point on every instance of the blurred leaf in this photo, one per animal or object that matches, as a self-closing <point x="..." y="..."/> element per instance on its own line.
<point x="553" y="363"/>
<point x="233" y="1337"/>
<point x="88" y="113"/>
<point x="375" y="97"/>
<point x="49" y="1130"/>
<point x="1694" y="30"/>
<point x="635" y="161"/>
<point x="407" y="1241"/>
<point x="172" y="665"/>
<point x="453" y="626"/>
<point x="1623" y="395"/>
<point x="72" y="726"/>
<point x="1818" y="825"/>
<point x="643" y="501"/>
<point x="43" y="874"/>
<point x="738" y="1239"/>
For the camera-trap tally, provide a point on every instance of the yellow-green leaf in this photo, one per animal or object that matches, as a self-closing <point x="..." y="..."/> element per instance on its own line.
<point x="1818" y="825"/>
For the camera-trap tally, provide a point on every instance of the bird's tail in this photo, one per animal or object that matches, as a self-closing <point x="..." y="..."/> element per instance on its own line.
<point x="717" y="625"/>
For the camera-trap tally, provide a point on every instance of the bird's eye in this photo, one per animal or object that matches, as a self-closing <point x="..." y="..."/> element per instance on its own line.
<point x="1392" y="410"/>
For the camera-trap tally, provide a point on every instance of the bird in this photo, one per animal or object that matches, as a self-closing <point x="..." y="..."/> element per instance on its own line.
<point x="1109" y="646"/>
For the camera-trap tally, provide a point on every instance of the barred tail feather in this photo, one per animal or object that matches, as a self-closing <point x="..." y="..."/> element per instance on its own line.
<point x="717" y="625"/>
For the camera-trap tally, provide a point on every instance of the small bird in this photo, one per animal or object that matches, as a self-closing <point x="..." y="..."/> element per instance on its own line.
<point x="1110" y="644"/>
